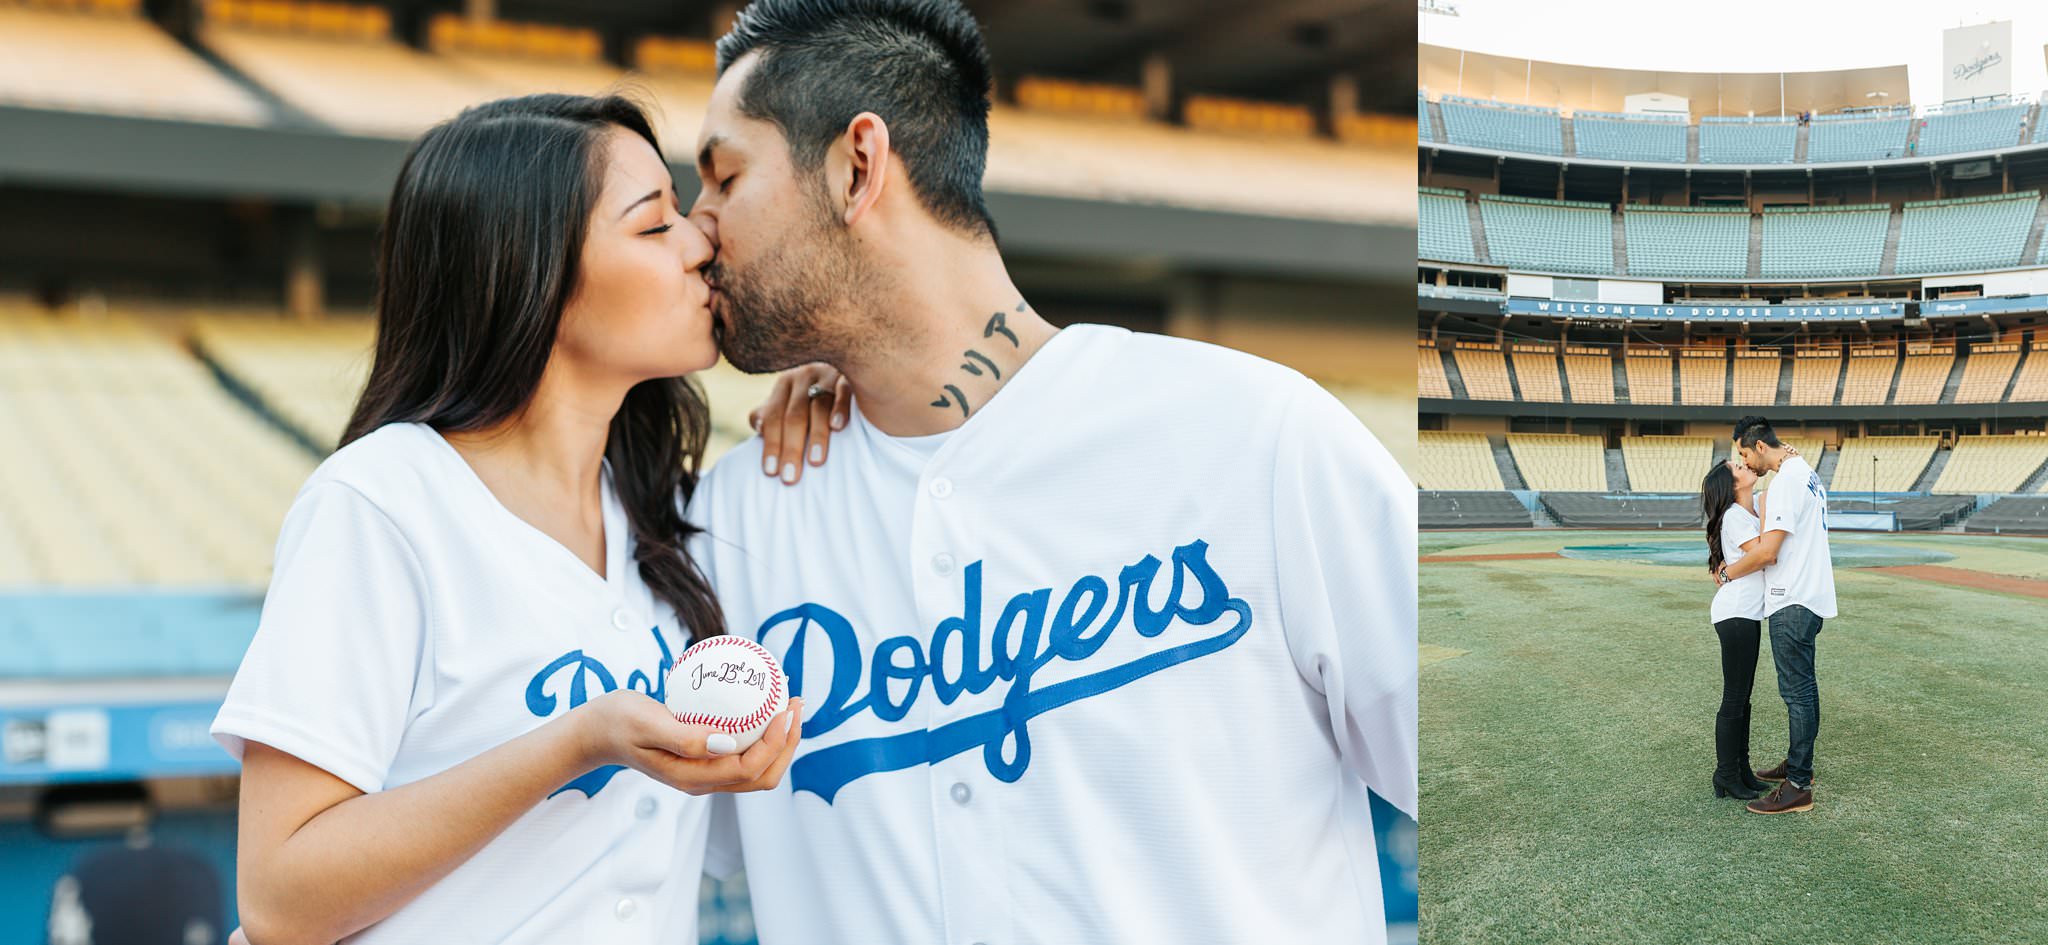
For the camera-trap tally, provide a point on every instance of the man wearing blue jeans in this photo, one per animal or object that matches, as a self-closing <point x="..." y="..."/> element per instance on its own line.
<point x="1799" y="592"/>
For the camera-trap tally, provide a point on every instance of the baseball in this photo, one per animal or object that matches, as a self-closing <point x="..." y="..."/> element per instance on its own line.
<point x="730" y="684"/>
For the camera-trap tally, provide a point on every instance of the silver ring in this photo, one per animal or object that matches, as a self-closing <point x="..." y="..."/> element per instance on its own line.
<point x="816" y="391"/>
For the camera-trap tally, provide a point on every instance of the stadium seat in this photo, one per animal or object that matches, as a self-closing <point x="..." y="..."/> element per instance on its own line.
<point x="2031" y="384"/>
<point x="1811" y="447"/>
<point x="1987" y="371"/>
<point x="1971" y="129"/>
<point x="1484" y="371"/>
<point x="1560" y="461"/>
<point x="1666" y="463"/>
<point x="1981" y="464"/>
<point x="1470" y="510"/>
<point x="1590" y="374"/>
<point x="1500" y="126"/>
<point x="1430" y="379"/>
<point x="1422" y="128"/>
<point x="1536" y="373"/>
<point x="1620" y="137"/>
<point x="1578" y="510"/>
<point x="2013" y="514"/>
<point x="308" y="374"/>
<point x="1649" y="377"/>
<point x="1456" y="461"/>
<point x="1443" y="226"/>
<point x="1824" y="241"/>
<point x="1687" y="241"/>
<point x="1748" y="141"/>
<point x="1869" y="380"/>
<point x="1814" y="375"/>
<point x="1900" y="461"/>
<point x="1549" y="235"/>
<point x="115" y="62"/>
<point x="1924" y="373"/>
<point x="1756" y="377"/>
<point x="1832" y="138"/>
<point x="1703" y="377"/>
<point x="1970" y="233"/>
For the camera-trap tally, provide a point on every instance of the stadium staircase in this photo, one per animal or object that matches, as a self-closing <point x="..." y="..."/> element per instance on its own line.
<point x="1889" y="263"/>
<point x="1543" y="518"/>
<point x="283" y="114"/>
<point x="1451" y="374"/>
<point x="1692" y="142"/>
<point x="1891" y="390"/>
<point x="1799" y="144"/>
<point x="1933" y="471"/>
<point x="1571" y="140"/>
<point x="1436" y="122"/>
<point x="1510" y="474"/>
<point x="1784" y="396"/>
<point x="2037" y="482"/>
<point x="1825" y="469"/>
<point x="1841" y="377"/>
<point x="1620" y="243"/>
<point x="1913" y="136"/>
<point x="1622" y="395"/>
<point x="2018" y="369"/>
<point x="1955" y="377"/>
<point x="1617" y="472"/>
<point x="1480" y="252"/>
<point x="1754" y="268"/>
<point x="2031" y="250"/>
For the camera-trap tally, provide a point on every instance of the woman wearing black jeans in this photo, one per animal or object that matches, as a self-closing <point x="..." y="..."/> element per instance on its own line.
<point x="1733" y="528"/>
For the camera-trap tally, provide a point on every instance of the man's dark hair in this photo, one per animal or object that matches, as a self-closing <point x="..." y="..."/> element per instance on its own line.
<point x="1747" y="422"/>
<point x="1758" y="431"/>
<point x="919" y="64"/>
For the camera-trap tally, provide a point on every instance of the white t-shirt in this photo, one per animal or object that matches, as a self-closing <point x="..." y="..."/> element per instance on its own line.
<point x="413" y="623"/>
<point x="1114" y="663"/>
<point x="1803" y="574"/>
<point x="1744" y="596"/>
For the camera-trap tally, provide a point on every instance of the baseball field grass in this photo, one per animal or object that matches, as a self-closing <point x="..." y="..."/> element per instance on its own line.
<point x="1567" y="741"/>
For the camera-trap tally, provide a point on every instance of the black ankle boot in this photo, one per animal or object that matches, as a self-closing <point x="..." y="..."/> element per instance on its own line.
<point x="1750" y="780"/>
<point x="1732" y="786"/>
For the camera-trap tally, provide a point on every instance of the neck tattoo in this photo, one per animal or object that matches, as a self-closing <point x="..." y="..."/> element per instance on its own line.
<point x="977" y="364"/>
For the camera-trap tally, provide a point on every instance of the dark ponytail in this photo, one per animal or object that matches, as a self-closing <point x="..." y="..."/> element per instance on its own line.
<point x="477" y="259"/>
<point x="1717" y="494"/>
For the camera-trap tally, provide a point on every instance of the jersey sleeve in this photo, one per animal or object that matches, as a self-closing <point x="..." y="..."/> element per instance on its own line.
<point x="332" y="673"/>
<point x="1344" y="534"/>
<point x="1736" y="529"/>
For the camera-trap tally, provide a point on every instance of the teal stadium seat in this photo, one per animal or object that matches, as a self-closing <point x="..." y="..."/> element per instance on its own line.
<point x="1444" y="226"/>
<point x="1618" y="137"/>
<point x="1422" y="129"/>
<point x="1979" y="129"/>
<point x="1499" y="126"/>
<point x="1748" y="140"/>
<point x="1687" y="241"/>
<point x="1549" y="235"/>
<point x="1971" y="233"/>
<point x="1834" y="138"/>
<point x="1824" y="241"/>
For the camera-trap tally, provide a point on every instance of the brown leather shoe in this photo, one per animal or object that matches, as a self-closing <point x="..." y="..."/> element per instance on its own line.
<point x="1786" y="798"/>
<point x="1773" y="773"/>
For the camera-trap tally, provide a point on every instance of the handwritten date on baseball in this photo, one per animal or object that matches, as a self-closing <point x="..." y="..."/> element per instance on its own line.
<point x="730" y="674"/>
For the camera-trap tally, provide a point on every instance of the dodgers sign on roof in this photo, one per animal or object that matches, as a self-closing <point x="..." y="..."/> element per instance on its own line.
<point x="1850" y="311"/>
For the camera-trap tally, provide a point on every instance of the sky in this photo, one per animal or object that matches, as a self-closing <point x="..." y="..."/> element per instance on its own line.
<point x="1743" y="35"/>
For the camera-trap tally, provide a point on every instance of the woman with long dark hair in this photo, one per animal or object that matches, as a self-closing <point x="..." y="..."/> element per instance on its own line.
<point x="1737" y="613"/>
<point x="450" y="720"/>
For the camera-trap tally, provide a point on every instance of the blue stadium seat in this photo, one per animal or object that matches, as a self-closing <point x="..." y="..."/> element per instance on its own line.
<point x="1832" y="138"/>
<point x="1971" y="233"/>
<point x="1979" y="129"/>
<point x="1687" y="241"/>
<point x="1501" y="127"/>
<point x="1824" y="241"/>
<point x="1618" y="137"/>
<point x="1549" y="235"/>
<point x="1422" y="129"/>
<point x="1443" y="226"/>
<point x="1748" y="141"/>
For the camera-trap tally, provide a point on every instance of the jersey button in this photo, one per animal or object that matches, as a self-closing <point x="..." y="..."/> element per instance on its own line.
<point x="942" y="563"/>
<point x="625" y="909"/>
<point x="941" y="487"/>
<point x="962" y="793"/>
<point x="645" y="808"/>
<point x="619" y="619"/>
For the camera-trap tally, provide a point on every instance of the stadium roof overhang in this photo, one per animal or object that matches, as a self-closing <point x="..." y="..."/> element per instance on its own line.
<point x="1442" y="69"/>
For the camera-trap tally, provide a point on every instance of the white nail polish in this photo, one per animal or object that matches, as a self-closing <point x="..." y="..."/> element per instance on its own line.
<point x="789" y="474"/>
<point x="839" y="421"/>
<point x="817" y="455"/>
<point x="720" y="744"/>
<point x="769" y="463"/>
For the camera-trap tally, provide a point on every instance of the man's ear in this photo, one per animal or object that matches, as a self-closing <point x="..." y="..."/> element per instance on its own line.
<point x="867" y="138"/>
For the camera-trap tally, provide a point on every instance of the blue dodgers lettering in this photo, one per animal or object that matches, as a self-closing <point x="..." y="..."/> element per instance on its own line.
<point x="581" y="667"/>
<point x="1027" y="635"/>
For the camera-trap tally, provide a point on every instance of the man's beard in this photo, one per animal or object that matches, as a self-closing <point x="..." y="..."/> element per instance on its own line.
<point x="780" y="311"/>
